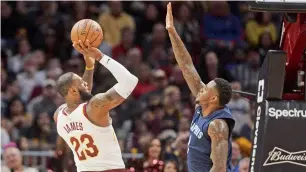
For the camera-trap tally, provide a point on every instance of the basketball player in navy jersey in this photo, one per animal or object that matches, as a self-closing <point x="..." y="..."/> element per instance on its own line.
<point x="209" y="147"/>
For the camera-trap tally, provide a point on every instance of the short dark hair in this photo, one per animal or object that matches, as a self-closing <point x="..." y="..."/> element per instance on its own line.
<point x="63" y="83"/>
<point x="224" y="90"/>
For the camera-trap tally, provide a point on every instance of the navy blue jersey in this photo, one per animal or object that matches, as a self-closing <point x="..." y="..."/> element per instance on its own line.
<point x="199" y="145"/>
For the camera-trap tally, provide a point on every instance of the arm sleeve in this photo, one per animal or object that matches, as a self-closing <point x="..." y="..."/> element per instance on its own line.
<point x="126" y="81"/>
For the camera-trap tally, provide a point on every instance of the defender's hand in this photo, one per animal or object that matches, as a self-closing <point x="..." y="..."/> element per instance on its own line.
<point x="87" y="50"/>
<point x="169" y="18"/>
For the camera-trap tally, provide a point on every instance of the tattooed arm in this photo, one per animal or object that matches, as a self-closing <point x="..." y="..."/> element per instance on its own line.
<point x="182" y="56"/>
<point x="218" y="132"/>
<point x="101" y="103"/>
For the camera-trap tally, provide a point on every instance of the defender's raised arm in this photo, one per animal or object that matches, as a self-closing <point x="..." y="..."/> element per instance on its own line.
<point x="182" y="56"/>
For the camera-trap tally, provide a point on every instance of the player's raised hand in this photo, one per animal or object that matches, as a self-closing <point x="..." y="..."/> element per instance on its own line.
<point x="87" y="50"/>
<point x="169" y="18"/>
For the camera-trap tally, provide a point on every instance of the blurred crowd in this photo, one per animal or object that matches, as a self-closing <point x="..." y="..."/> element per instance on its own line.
<point x="224" y="39"/>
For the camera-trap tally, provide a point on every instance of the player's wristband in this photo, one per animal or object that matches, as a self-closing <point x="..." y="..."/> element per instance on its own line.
<point x="89" y="68"/>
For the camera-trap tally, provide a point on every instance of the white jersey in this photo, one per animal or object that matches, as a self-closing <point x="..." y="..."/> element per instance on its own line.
<point x="94" y="148"/>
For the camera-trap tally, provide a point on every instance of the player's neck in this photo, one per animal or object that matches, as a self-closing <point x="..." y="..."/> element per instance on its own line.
<point x="71" y="106"/>
<point x="210" y="109"/>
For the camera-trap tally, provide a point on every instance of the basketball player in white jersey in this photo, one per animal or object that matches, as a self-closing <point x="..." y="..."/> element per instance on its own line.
<point x="84" y="122"/>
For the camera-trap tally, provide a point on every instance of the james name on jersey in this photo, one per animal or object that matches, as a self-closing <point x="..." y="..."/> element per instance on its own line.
<point x="73" y="126"/>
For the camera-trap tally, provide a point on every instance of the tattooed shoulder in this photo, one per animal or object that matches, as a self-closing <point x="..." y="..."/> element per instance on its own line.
<point x="218" y="132"/>
<point x="106" y="101"/>
<point x="218" y="129"/>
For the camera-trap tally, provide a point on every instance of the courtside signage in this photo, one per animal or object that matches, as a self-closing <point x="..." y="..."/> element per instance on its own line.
<point x="281" y="156"/>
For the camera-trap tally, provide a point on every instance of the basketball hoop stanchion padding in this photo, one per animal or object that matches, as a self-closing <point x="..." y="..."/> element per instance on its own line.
<point x="270" y="86"/>
<point x="281" y="141"/>
<point x="279" y="127"/>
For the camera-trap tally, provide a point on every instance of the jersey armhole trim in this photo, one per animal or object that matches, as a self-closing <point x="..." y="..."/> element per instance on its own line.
<point x="84" y="111"/>
<point x="63" y="110"/>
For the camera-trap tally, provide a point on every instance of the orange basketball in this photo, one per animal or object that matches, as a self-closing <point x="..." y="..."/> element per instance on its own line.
<point x="87" y="29"/>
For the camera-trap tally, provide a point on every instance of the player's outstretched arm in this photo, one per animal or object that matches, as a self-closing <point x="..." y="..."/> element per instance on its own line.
<point x="89" y="62"/>
<point x="119" y="92"/>
<point x="218" y="132"/>
<point x="103" y="102"/>
<point x="182" y="56"/>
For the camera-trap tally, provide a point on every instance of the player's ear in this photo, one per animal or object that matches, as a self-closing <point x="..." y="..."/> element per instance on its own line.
<point x="73" y="91"/>
<point x="214" y="99"/>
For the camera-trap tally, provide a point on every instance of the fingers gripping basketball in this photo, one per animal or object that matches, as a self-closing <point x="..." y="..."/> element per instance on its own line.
<point x="87" y="29"/>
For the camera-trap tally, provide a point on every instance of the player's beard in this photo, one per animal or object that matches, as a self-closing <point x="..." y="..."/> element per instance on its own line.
<point x="85" y="96"/>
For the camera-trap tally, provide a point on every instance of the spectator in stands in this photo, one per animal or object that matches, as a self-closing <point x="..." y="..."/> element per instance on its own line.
<point x="13" y="160"/>
<point x="265" y="44"/>
<point x="158" y="58"/>
<point x="114" y="21"/>
<point x="244" y="165"/>
<point x="210" y="68"/>
<point x="44" y="102"/>
<point x="146" y="23"/>
<point x="215" y="31"/>
<point x="54" y="69"/>
<point x="30" y="78"/>
<point x="247" y="73"/>
<point x="152" y="160"/>
<point x="127" y="42"/>
<point x="139" y="136"/>
<point x="16" y="111"/>
<point x="3" y="78"/>
<point x="80" y="10"/>
<point x="173" y="107"/>
<point x="239" y="57"/>
<point x="145" y="84"/>
<point x="186" y="25"/>
<point x="39" y="59"/>
<point x="15" y="63"/>
<point x="236" y="154"/>
<point x="154" y="114"/>
<point x="8" y="23"/>
<point x="240" y="108"/>
<point x="179" y="149"/>
<point x="160" y="82"/>
<point x="11" y="90"/>
<point x="170" y="166"/>
<point x="12" y="131"/>
<point x="42" y="135"/>
<point x="5" y="138"/>
<point x="157" y="39"/>
<point x="133" y="59"/>
<point x="261" y="24"/>
<point x="246" y="129"/>
<point x="52" y="44"/>
<point x="245" y="146"/>
<point x="178" y="80"/>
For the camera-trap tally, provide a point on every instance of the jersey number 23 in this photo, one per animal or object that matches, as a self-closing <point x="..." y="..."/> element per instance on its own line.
<point x="91" y="149"/>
